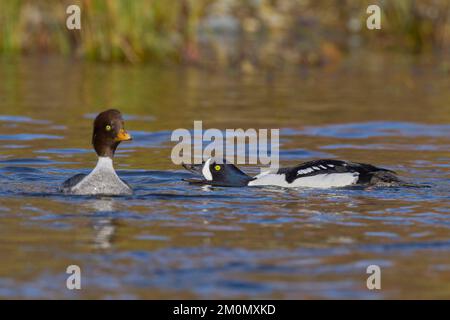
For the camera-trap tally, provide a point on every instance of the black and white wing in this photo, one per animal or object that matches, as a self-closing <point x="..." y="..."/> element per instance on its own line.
<point x="71" y="182"/>
<point x="364" y="173"/>
<point x="325" y="173"/>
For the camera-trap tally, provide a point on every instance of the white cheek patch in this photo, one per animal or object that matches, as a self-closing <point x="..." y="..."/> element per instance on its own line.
<point x="206" y="172"/>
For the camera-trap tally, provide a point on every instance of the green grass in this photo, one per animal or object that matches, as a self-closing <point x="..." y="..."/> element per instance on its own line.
<point x="112" y="30"/>
<point x="166" y="30"/>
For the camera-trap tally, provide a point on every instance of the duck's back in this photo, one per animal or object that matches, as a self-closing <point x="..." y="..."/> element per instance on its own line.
<point x="103" y="180"/>
<point x="328" y="173"/>
<point x="72" y="182"/>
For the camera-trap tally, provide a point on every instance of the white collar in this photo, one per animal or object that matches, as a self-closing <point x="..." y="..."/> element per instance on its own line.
<point x="104" y="163"/>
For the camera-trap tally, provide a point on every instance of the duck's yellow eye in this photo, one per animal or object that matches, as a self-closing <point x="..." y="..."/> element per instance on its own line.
<point x="217" y="168"/>
<point x="108" y="128"/>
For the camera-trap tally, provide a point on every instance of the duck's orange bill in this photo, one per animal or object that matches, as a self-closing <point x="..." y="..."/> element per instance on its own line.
<point x="123" y="136"/>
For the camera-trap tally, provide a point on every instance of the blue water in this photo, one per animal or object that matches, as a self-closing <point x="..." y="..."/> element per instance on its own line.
<point x="175" y="240"/>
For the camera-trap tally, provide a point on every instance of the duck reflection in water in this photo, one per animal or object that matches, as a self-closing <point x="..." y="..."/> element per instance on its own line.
<point x="103" y="224"/>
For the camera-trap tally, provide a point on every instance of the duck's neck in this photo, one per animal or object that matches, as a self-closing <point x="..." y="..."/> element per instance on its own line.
<point x="104" y="164"/>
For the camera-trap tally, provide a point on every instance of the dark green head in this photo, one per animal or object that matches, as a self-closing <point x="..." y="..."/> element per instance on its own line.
<point x="218" y="173"/>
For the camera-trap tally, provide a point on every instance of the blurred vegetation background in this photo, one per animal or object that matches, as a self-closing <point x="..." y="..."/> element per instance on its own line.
<point x="246" y="34"/>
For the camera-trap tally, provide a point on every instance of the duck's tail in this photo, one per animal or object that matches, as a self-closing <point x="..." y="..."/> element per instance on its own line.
<point x="390" y="179"/>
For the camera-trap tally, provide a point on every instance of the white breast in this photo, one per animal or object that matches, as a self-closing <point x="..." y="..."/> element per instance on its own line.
<point x="102" y="180"/>
<point x="326" y="180"/>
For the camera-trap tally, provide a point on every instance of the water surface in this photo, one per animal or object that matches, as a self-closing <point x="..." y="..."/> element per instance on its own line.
<point x="173" y="240"/>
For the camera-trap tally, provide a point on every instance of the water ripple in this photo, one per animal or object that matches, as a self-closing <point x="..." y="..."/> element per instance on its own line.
<point x="364" y="130"/>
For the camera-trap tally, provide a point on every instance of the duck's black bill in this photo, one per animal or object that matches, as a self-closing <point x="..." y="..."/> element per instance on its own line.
<point x="197" y="169"/>
<point x="197" y="181"/>
<point x="194" y="168"/>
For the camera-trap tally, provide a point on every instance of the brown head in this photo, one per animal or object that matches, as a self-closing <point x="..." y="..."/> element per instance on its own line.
<point x="108" y="132"/>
